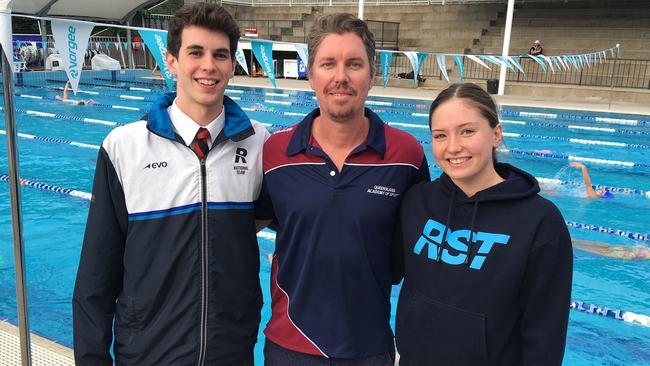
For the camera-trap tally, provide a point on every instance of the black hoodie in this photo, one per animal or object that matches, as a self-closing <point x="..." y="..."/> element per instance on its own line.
<point x="505" y="304"/>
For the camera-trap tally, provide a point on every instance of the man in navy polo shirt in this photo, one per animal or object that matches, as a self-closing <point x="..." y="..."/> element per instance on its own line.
<point x="333" y="185"/>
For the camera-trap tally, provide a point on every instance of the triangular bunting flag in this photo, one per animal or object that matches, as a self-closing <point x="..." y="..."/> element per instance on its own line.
<point x="441" y="65"/>
<point x="415" y="64"/>
<point x="515" y="61"/>
<point x="550" y="63"/>
<point x="478" y="61"/>
<point x="241" y="59"/>
<point x="461" y="67"/>
<point x="539" y="61"/>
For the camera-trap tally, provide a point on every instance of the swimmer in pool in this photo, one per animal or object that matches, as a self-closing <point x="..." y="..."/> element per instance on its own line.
<point x="628" y="252"/>
<point x="65" y="98"/>
<point x="591" y="193"/>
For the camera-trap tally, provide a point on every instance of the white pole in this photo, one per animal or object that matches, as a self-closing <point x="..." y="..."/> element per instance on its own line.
<point x="119" y="47"/>
<point x="129" y="51"/>
<point x="361" y="5"/>
<point x="506" y="45"/>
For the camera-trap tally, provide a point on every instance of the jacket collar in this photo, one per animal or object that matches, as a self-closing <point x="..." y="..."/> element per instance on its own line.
<point x="237" y="125"/>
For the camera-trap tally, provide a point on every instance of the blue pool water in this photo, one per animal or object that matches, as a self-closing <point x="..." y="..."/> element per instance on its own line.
<point x="54" y="222"/>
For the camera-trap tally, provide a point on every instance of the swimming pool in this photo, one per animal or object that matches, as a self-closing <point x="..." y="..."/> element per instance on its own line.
<point x="59" y="142"/>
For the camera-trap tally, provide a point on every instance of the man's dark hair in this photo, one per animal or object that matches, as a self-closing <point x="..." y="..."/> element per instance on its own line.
<point x="206" y="15"/>
<point x="340" y="23"/>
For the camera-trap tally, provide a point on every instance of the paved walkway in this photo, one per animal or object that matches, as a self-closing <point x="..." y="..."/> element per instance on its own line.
<point x="44" y="351"/>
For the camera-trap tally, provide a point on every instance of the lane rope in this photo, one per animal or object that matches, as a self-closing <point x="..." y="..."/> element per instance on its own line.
<point x="54" y="140"/>
<point x="626" y="316"/>
<point x="68" y="117"/>
<point x="49" y="187"/>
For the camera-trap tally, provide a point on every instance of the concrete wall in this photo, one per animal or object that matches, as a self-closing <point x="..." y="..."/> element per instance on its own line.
<point x="443" y="28"/>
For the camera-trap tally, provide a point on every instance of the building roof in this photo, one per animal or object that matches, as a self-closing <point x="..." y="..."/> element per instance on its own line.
<point x="113" y="10"/>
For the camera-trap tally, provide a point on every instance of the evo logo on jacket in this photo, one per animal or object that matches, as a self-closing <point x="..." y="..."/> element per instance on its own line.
<point x="432" y="238"/>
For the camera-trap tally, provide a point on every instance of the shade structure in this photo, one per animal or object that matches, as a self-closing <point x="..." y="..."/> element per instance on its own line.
<point x="114" y="10"/>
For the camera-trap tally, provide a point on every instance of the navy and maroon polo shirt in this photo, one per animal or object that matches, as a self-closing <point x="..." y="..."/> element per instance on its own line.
<point x="331" y="273"/>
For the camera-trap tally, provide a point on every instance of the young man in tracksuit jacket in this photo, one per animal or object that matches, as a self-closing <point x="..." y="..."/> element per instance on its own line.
<point x="169" y="268"/>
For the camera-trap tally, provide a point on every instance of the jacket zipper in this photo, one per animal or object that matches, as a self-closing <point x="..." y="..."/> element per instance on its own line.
<point x="204" y="265"/>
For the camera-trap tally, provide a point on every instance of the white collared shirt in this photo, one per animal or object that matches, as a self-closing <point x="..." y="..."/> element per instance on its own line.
<point x="185" y="126"/>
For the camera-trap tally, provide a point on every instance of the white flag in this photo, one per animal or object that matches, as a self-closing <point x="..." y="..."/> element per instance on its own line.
<point x="241" y="59"/>
<point x="71" y="39"/>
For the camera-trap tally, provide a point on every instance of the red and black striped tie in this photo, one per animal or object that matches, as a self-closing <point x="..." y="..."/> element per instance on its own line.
<point x="201" y="143"/>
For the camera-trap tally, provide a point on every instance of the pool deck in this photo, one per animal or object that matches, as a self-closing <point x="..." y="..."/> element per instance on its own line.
<point x="44" y="351"/>
<point x="588" y="104"/>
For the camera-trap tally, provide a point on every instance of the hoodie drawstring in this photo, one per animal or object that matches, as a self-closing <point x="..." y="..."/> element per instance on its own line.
<point x="470" y="243"/>
<point x="444" y="234"/>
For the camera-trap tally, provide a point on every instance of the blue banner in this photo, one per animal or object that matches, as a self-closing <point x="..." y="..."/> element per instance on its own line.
<point x="156" y="40"/>
<point x="421" y="57"/>
<point x="386" y="58"/>
<point x="302" y="68"/>
<point x="263" y="51"/>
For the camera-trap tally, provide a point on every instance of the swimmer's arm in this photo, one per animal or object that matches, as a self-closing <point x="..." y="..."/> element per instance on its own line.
<point x="586" y="178"/>
<point x="65" y="90"/>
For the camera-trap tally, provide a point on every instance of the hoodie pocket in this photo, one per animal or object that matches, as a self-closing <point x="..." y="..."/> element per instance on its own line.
<point x="128" y="314"/>
<point x="429" y="332"/>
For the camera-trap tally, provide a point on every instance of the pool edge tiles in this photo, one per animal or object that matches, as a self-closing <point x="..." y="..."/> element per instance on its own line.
<point x="45" y="352"/>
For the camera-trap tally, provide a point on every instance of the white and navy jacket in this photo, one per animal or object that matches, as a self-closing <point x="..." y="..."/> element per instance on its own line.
<point x="170" y="260"/>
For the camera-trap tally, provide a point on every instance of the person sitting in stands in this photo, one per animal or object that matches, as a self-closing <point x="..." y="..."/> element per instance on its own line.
<point x="591" y="193"/>
<point x="628" y="252"/>
<point x="536" y="49"/>
<point x="409" y="75"/>
<point x="65" y="98"/>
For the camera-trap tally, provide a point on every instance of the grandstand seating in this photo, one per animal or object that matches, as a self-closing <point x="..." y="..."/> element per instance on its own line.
<point x="444" y="28"/>
<point x="564" y="27"/>
<point x="574" y="27"/>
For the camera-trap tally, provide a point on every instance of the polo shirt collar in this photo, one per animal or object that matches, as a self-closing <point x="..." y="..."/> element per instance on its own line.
<point x="376" y="139"/>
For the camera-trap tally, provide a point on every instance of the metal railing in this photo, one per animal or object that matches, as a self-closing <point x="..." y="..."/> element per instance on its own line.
<point x="386" y="33"/>
<point x="400" y="64"/>
<point x="618" y="73"/>
<point x="350" y="2"/>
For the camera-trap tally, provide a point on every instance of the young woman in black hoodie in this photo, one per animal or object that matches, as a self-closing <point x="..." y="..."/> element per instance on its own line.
<point x="488" y="261"/>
